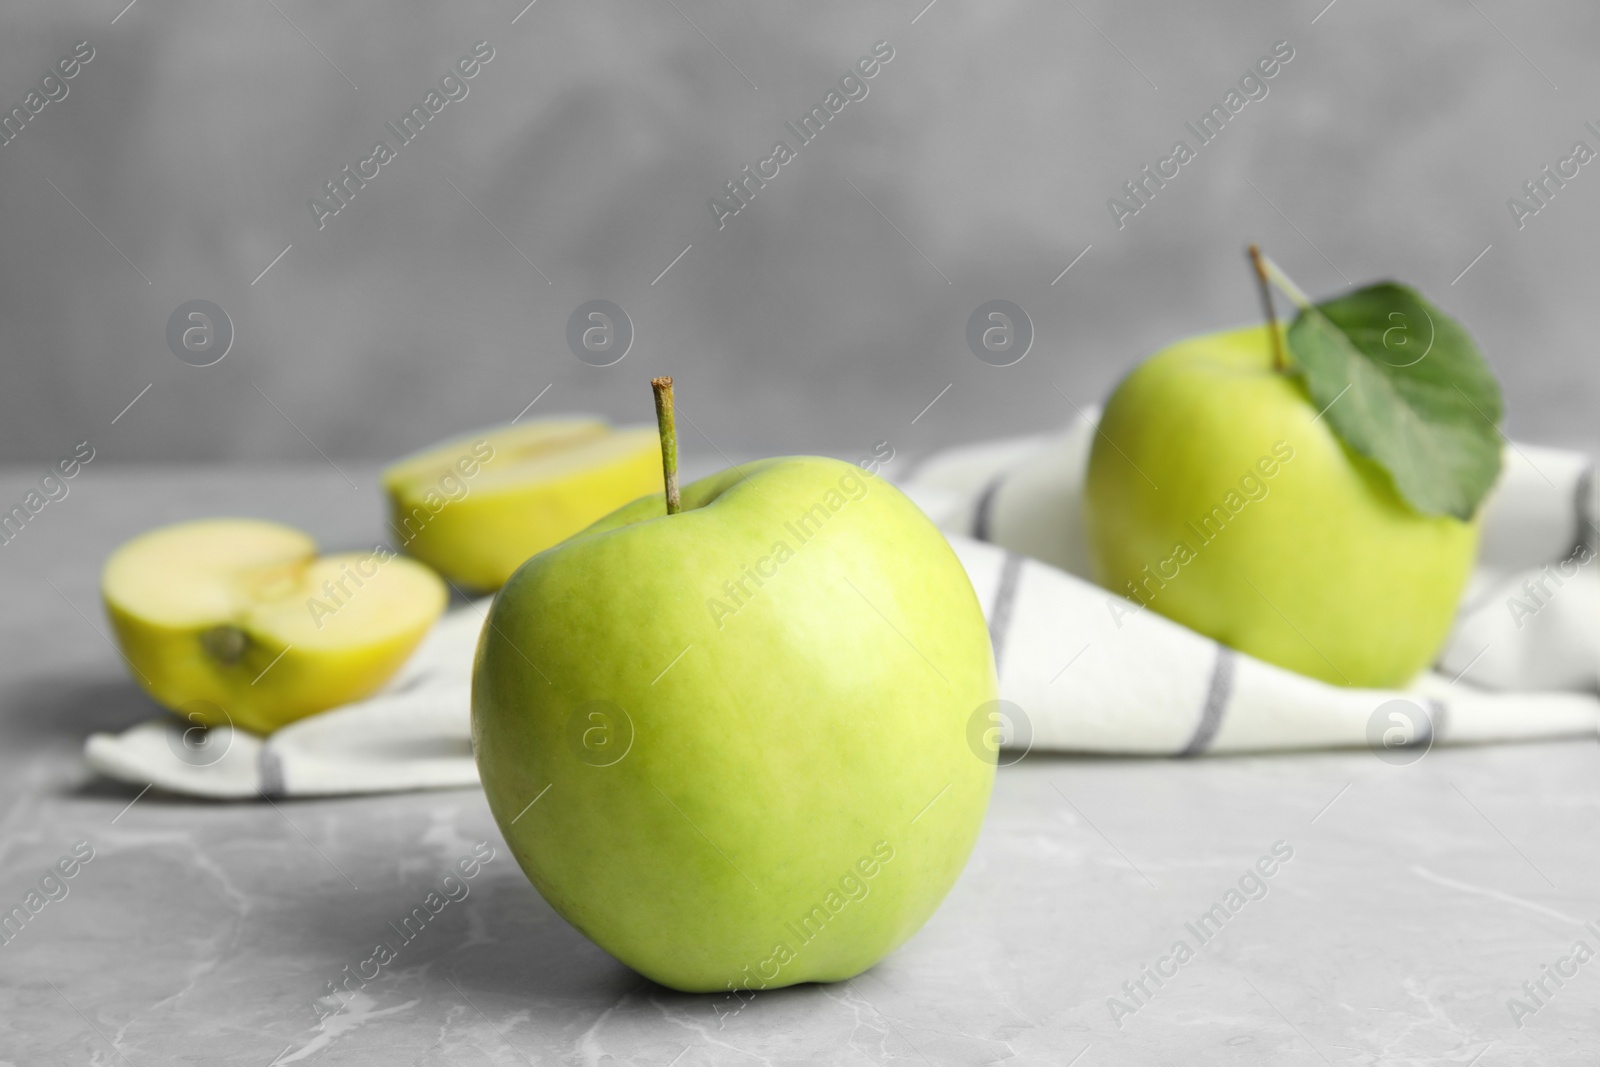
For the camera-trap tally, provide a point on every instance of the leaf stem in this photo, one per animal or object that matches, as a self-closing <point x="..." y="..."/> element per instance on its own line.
<point x="1280" y="359"/>
<point x="1282" y="281"/>
<point x="669" y="442"/>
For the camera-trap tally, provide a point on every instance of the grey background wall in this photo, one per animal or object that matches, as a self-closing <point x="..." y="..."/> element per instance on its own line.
<point x="827" y="314"/>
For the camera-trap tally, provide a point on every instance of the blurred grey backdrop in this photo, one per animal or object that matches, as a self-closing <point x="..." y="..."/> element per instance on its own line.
<point x="828" y="313"/>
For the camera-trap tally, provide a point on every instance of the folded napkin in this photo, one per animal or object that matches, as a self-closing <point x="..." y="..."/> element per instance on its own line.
<point x="1077" y="677"/>
<point x="1081" y="669"/>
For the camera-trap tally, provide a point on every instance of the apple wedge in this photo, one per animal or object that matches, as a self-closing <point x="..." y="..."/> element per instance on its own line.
<point x="239" y="621"/>
<point x="475" y="507"/>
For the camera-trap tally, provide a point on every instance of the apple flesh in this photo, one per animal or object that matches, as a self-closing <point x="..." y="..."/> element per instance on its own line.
<point x="238" y="621"/>
<point x="729" y="745"/>
<point x="474" y="508"/>
<point x="1218" y="496"/>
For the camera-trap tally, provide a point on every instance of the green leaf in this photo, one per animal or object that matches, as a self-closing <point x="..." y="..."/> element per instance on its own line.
<point x="1401" y="383"/>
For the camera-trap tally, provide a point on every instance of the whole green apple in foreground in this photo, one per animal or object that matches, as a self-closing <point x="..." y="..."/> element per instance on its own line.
<point x="1219" y="497"/>
<point x="729" y="744"/>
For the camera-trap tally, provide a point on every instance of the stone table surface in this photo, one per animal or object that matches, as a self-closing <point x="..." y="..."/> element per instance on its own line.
<point x="1416" y="903"/>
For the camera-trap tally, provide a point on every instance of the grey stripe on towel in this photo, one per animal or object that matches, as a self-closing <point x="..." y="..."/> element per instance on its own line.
<point x="982" y="518"/>
<point x="1584" y="497"/>
<point x="1005" y="599"/>
<point x="271" y="768"/>
<point x="1218" y="694"/>
<point x="1438" y="711"/>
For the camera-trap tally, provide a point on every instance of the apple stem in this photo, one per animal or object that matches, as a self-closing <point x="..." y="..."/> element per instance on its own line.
<point x="669" y="442"/>
<point x="1280" y="359"/>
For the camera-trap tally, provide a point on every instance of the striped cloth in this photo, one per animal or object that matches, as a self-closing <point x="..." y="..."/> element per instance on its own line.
<point x="1522" y="661"/>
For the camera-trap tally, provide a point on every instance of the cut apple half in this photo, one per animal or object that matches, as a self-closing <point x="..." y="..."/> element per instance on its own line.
<point x="239" y="621"/>
<point x="477" y="506"/>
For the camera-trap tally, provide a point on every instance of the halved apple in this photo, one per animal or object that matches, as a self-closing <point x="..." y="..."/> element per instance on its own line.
<point x="240" y="621"/>
<point x="475" y="507"/>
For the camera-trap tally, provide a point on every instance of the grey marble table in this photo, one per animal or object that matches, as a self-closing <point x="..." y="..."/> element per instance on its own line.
<point x="1417" y="902"/>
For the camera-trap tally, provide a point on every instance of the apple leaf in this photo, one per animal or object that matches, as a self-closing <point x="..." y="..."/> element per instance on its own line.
<point x="1401" y="383"/>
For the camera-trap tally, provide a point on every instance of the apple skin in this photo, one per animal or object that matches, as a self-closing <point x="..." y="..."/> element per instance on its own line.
<point x="773" y="760"/>
<point x="1367" y="587"/>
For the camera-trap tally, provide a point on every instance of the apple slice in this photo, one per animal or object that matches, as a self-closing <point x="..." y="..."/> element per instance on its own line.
<point x="238" y="621"/>
<point x="475" y="507"/>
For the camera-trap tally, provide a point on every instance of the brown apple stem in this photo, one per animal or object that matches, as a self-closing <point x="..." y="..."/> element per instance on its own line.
<point x="1280" y="360"/>
<point x="669" y="442"/>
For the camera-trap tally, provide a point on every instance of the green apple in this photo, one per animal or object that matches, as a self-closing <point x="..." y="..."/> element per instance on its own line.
<point x="239" y="621"/>
<point x="1219" y="496"/>
<point x="729" y="744"/>
<point x="475" y="507"/>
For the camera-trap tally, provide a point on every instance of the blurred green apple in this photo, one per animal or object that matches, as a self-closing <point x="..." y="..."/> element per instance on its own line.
<point x="1222" y="495"/>
<point x="1308" y="496"/>
<point x="1220" y="498"/>
<point x="729" y="744"/>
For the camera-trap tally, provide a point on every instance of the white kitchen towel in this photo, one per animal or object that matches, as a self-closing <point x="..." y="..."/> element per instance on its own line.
<point x="1075" y="676"/>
